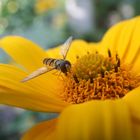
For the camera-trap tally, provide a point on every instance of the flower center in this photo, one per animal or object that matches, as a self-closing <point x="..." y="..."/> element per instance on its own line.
<point x="94" y="76"/>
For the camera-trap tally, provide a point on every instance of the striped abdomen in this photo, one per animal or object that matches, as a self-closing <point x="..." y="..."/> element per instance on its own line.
<point x="50" y="61"/>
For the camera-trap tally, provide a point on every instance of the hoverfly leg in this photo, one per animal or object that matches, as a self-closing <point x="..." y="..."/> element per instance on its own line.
<point x="60" y="75"/>
<point x="55" y="73"/>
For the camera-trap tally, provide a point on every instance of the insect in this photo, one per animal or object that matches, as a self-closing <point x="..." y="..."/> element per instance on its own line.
<point x="62" y="65"/>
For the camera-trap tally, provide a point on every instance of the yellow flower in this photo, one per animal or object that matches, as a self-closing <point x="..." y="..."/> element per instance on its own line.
<point x="113" y="73"/>
<point x="42" y="6"/>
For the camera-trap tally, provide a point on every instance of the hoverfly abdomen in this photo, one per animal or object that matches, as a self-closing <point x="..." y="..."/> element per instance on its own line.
<point x="49" y="61"/>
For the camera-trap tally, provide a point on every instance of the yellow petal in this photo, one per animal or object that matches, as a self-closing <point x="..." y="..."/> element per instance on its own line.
<point x="123" y="38"/>
<point x="30" y="56"/>
<point x="23" y="51"/>
<point x="77" y="48"/>
<point x="133" y="101"/>
<point x="136" y="128"/>
<point x="54" y="53"/>
<point x="97" y="120"/>
<point x="118" y="38"/>
<point x="42" y="131"/>
<point x="29" y="96"/>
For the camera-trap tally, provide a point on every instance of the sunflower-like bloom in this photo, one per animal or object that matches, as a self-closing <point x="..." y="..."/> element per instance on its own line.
<point x="98" y="99"/>
<point x="42" y="6"/>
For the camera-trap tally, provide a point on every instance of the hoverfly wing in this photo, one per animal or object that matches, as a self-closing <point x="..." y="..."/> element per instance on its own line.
<point x="36" y="73"/>
<point x="65" y="47"/>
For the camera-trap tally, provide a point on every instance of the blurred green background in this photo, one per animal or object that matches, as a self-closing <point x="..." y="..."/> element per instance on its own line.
<point x="49" y="23"/>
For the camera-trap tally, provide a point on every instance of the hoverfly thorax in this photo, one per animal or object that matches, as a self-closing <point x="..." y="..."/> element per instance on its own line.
<point x="65" y="66"/>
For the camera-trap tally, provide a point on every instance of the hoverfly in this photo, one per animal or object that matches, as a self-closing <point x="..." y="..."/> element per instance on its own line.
<point x="62" y="65"/>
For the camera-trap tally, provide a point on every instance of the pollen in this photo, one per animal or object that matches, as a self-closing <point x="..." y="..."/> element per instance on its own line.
<point x="95" y="77"/>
